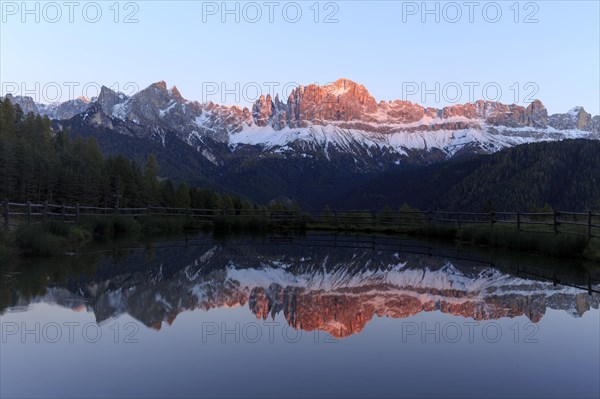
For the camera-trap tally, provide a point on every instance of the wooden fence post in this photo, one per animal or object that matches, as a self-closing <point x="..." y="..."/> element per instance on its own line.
<point x="6" y="214"/>
<point x="589" y="226"/>
<point x="335" y="219"/>
<point x="458" y="219"/>
<point x="492" y="221"/>
<point x="518" y="221"/>
<point x="28" y="212"/>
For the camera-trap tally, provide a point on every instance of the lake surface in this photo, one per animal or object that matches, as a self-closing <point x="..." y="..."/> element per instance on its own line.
<point x="314" y="316"/>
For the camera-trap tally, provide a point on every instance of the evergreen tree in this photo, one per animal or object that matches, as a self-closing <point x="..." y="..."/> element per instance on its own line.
<point x="168" y="193"/>
<point x="151" y="184"/>
<point x="183" y="196"/>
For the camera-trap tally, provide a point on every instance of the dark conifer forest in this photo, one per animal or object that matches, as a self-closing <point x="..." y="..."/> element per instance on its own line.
<point x="37" y="165"/>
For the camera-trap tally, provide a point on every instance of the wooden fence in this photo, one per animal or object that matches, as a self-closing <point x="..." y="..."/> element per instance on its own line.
<point x="15" y="214"/>
<point x="577" y="223"/>
<point x="565" y="222"/>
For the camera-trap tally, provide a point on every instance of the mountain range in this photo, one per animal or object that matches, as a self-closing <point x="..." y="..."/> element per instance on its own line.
<point x="323" y="139"/>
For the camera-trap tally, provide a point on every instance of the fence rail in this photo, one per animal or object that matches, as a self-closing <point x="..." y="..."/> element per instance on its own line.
<point x="565" y="222"/>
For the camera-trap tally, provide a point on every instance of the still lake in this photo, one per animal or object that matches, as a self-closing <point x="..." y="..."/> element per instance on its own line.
<point x="311" y="316"/>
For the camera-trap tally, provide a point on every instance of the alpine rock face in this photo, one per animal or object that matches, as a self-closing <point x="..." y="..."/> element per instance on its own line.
<point x="64" y="110"/>
<point x="327" y="122"/>
<point x="345" y="117"/>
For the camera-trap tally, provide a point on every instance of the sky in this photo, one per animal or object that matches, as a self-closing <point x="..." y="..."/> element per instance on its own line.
<point x="435" y="53"/>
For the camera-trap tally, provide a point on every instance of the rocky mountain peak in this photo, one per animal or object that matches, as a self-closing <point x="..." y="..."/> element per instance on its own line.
<point x="537" y="113"/>
<point x="25" y="102"/>
<point x="343" y="100"/>
<point x="108" y="98"/>
<point x="176" y="94"/>
<point x="576" y="118"/>
<point x="353" y="92"/>
<point x="158" y="95"/>
<point x="345" y="86"/>
<point x="576" y="110"/>
<point x="263" y="110"/>
<point x="160" y="85"/>
<point x="536" y="105"/>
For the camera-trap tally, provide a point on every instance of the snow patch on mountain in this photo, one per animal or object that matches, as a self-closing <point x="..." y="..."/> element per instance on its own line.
<point x="490" y="138"/>
<point x="486" y="282"/>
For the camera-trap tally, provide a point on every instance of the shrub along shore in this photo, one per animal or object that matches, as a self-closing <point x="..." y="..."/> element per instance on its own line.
<point x="58" y="238"/>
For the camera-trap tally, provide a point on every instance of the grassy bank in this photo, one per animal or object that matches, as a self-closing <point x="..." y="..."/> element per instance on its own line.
<point x="7" y="248"/>
<point x="57" y="237"/>
<point x="549" y="244"/>
<point x="49" y="238"/>
<point x="498" y="236"/>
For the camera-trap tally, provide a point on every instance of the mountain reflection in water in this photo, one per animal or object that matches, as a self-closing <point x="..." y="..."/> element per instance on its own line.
<point x="319" y="284"/>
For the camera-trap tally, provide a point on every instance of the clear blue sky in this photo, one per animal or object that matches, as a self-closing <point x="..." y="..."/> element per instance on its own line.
<point x="381" y="44"/>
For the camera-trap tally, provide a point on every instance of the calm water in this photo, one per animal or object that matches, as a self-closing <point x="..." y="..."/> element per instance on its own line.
<point x="298" y="317"/>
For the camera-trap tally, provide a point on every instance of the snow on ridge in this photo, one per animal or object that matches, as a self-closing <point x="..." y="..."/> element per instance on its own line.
<point x="120" y="110"/>
<point x="492" y="138"/>
<point x="573" y="112"/>
<point x="403" y="136"/>
<point x="398" y="277"/>
<point x="203" y="119"/>
<point x="165" y="111"/>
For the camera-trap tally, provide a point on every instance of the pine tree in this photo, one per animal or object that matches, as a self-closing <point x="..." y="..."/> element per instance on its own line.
<point x="183" y="196"/>
<point x="151" y="184"/>
<point x="168" y="193"/>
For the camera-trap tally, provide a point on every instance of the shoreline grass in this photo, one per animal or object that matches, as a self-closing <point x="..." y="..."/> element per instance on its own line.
<point x="54" y="238"/>
<point x="546" y="243"/>
<point x="57" y="238"/>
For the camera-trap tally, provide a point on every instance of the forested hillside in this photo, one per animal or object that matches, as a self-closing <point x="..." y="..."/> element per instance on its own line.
<point x="563" y="175"/>
<point x="417" y="186"/>
<point x="36" y="165"/>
